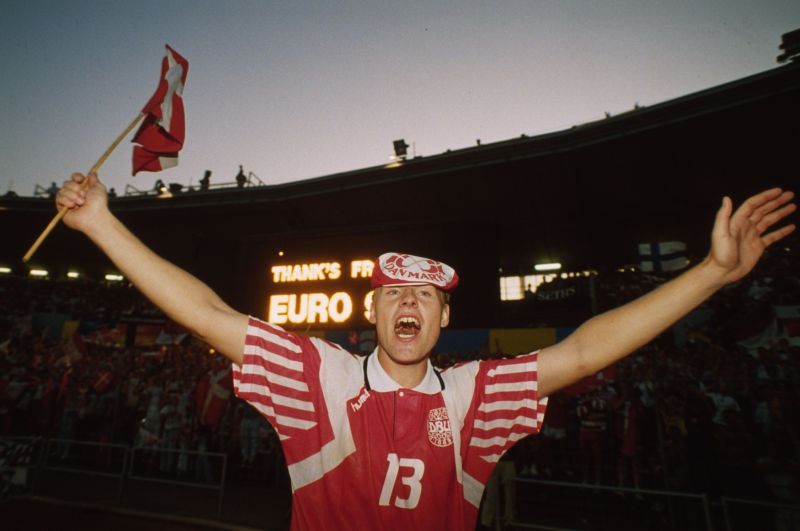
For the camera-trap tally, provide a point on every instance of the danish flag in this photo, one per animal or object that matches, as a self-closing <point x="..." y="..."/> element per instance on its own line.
<point x="161" y="135"/>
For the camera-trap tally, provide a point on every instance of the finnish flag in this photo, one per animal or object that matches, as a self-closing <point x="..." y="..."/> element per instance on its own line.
<point x="662" y="256"/>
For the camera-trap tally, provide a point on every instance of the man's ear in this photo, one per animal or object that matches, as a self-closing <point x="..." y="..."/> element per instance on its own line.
<point x="372" y="319"/>
<point x="445" y="315"/>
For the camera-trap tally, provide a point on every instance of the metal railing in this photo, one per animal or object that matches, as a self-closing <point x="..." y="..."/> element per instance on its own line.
<point x="790" y="513"/>
<point x="702" y="499"/>
<point x="37" y="455"/>
<point x="56" y="452"/>
<point x="219" y="485"/>
<point x="253" y="180"/>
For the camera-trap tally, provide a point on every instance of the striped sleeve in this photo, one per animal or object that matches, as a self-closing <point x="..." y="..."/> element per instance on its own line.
<point x="505" y="407"/>
<point x="279" y="376"/>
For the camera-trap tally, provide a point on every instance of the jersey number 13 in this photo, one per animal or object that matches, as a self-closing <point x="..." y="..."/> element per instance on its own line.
<point x="410" y="472"/>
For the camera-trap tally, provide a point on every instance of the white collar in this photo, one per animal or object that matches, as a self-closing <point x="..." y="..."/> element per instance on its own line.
<point x="379" y="379"/>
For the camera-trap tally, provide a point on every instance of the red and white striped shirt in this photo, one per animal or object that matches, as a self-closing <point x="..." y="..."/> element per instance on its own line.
<point x="364" y="453"/>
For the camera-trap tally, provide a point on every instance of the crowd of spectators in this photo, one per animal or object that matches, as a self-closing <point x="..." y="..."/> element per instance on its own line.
<point x="710" y="406"/>
<point x="174" y="396"/>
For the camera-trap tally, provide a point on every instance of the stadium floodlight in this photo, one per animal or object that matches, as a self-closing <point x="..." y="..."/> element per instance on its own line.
<point x="114" y="277"/>
<point x="400" y="148"/>
<point x="38" y="272"/>
<point x="161" y="189"/>
<point x="555" y="266"/>
<point x="73" y="274"/>
<point x="5" y="270"/>
<point x="790" y="44"/>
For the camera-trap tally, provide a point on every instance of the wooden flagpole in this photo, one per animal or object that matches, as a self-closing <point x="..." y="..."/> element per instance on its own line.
<point x="63" y="211"/>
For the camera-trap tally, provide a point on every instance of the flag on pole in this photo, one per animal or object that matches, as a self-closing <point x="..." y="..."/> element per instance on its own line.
<point x="161" y="135"/>
<point x="663" y="256"/>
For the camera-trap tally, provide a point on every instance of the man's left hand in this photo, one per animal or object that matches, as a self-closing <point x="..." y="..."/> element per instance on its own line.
<point x="739" y="240"/>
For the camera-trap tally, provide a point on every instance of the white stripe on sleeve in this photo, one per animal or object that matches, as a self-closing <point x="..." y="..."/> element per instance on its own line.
<point x="293" y="403"/>
<point x="277" y="359"/>
<point x="521" y="420"/>
<point x="496" y="441"/>
<point x="512" y="405"/>
<point x="273" y="338"/>
<point x="512" y="368"/>
<point x="529" y="385"/>
<point x="285" y="381"/>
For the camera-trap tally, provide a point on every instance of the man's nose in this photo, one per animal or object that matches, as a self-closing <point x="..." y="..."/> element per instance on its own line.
<point x="409" y="298"/>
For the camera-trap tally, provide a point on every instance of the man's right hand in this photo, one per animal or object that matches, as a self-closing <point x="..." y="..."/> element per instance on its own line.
<point x="85" y="201"/>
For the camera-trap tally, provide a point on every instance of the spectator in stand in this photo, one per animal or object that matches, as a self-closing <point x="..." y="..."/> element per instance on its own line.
<point x="501" y="490"/>
<point x="52" y="190"/>
<point x="593" y="410"/>
<point x="241" y="178"/>
<point x="204" y="470"/>
<point x="205" y="182"/>
<point x="170" y="433"/>
<point x="248" y="434"/>
<point x="153" y="412"/>
<point x="69" y="421"/>
<point x="183" y="465"/>
<point x="627" y="411"/>
<point x="552" y="455"/>
<point x="723" y="402"/>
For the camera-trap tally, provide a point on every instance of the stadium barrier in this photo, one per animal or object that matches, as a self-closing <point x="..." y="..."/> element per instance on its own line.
<point x="98" y="459"/>
<point x="23" y="461"/>
<point x="141" y="455"/>
<point x="604" y="503"/>
<point x="783" y="516"/>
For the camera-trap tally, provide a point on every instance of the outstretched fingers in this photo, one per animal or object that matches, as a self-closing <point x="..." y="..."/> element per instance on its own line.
<point x="773" y="209"/>
<point x="778" y="211"/>
<point x="754" y="207"/>
<point x="770" y="206"/>
<point x="777" y="235"/>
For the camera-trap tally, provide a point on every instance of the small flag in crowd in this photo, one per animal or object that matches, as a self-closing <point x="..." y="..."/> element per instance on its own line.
<point x="168" y="338"/>
<point x="103" y="381"/>
<point x="662" y="256"/>
<point x="161" y="135"/>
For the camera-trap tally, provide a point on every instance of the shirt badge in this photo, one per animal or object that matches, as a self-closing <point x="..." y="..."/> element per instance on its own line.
<point x="439" y="433"/>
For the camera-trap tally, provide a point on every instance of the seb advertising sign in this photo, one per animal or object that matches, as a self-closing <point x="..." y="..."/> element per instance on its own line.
<point x="313" y="293"/>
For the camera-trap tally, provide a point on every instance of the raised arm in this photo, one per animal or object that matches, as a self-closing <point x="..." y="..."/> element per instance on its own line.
<point x="184" y="298"/>
<point x="737" y="243"/>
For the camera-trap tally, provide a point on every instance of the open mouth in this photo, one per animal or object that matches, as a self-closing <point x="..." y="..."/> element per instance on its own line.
<point x="407" y="327"/>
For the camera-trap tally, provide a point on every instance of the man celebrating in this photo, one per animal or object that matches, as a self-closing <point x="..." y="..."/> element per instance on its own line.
<point x="387" y="441"/>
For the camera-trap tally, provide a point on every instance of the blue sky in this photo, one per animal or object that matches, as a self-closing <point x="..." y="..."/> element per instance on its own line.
<point x="295" y="90"/>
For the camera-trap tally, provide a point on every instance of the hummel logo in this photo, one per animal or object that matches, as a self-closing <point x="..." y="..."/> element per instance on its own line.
<point x="360" y="402"/>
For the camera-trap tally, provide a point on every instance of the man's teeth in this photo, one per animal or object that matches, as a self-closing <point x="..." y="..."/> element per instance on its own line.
<point x="407" y="321"/>
<point x="407" y="327"/>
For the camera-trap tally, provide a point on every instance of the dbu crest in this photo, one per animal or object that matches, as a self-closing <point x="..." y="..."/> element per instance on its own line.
<point x="439" y="433"/>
